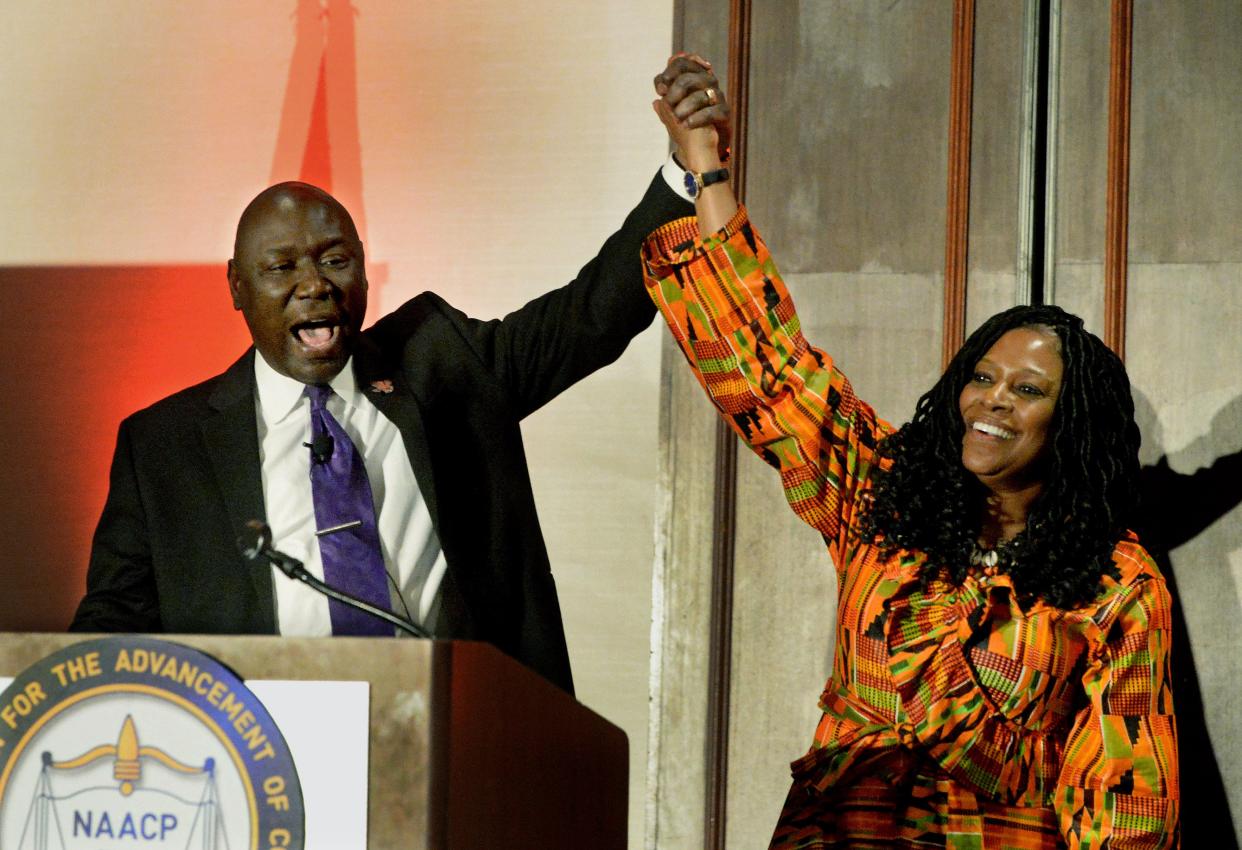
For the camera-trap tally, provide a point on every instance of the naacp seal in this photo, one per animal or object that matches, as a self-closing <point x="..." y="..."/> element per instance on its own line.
<point x="131" y="742"/>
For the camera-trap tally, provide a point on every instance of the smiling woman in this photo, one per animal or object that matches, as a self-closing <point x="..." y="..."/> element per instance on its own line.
<point x="1028" y="441"/>
<point x="1007" y="408"/>
<point x="1001" y="670"/>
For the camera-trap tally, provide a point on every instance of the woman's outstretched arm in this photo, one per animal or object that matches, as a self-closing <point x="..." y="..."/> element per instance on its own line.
<point x="718" y="289"/>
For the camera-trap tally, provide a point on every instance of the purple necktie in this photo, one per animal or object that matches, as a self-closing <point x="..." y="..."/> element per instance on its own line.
<point x="352" y="559"/>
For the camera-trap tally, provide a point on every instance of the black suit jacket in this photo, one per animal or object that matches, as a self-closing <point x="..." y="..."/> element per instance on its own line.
<point x="186" y="477"/>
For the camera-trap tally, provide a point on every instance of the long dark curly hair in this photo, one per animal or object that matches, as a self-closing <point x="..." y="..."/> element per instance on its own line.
<point x="927" y="501"/>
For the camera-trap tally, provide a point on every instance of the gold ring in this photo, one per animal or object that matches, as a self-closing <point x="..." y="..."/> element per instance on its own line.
<point x="711" y="97"/>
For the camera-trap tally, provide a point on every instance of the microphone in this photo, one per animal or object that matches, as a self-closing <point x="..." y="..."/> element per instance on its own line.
<point x="256" y="546"/>
<point x="321" y="447"/>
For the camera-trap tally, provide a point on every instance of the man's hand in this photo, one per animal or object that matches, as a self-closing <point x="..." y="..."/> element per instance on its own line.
<point x="691" y="99"/>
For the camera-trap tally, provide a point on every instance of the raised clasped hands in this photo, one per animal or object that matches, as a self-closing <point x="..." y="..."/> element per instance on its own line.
<point x="694" y="111"/>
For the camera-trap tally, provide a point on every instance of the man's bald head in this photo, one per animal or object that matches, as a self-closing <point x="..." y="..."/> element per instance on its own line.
<point x="285" y="193"/>
<point x="298" y="276"/>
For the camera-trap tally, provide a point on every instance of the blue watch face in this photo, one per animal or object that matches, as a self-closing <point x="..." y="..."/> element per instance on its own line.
<point x="692" y="186"/>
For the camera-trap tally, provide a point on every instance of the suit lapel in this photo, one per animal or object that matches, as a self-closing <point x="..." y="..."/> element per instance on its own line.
<point x="232" y="439"/>
<point x="387" y="389"/>
<point x="405" y="409"/>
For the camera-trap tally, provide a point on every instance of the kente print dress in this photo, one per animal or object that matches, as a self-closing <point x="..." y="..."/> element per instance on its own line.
<point x="954" y="717"/>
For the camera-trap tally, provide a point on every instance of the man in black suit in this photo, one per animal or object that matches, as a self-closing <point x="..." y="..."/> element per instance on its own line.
<point x="189" y="471"/>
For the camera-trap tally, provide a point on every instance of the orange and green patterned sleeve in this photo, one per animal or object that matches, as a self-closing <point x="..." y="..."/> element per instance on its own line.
<point x="1118" y="788"/>
<point x="734" y="320"/>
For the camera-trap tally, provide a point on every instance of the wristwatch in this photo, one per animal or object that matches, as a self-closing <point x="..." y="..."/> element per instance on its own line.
<point x="696" y="182"/>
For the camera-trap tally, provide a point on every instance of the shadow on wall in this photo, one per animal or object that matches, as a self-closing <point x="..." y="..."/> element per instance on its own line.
<point x="84" y="347"/>
<point x="1178" y="525"/>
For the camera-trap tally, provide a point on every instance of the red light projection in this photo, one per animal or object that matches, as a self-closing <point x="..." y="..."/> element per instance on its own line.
<point x="318" y="140"/>
<point x="87" y="345"/>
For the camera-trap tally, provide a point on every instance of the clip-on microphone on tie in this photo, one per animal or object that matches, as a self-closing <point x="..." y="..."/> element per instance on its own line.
<point x="321" y="447"/>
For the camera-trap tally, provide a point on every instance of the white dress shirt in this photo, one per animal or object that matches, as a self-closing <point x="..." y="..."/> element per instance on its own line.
<point x="411" y="550"/>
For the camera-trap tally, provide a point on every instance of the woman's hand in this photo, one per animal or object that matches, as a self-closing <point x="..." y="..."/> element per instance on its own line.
<point x="694" y="111"/>
<point x="696" y="115"/>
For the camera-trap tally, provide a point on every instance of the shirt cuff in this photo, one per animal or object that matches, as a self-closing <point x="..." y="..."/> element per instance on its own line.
<point x="675" y="177"/>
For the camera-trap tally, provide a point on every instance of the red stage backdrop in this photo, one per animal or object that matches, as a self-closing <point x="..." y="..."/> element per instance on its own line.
<point x="91" y="344"/>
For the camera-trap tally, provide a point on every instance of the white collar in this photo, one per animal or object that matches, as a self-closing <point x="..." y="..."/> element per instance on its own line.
<point x="280" y="395"/>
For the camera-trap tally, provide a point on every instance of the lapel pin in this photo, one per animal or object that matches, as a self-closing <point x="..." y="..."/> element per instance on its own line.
<point x="384" y="386"/>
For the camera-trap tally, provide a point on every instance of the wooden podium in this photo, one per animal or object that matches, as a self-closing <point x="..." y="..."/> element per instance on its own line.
<point x="468" y="748"/>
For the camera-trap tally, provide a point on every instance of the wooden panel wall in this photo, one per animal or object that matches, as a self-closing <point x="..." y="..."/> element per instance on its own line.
<point x="1183" y="344"/>
<point x="681" y="575"/>
<point x="850" y="136"/>
<point x="847" y="140"/>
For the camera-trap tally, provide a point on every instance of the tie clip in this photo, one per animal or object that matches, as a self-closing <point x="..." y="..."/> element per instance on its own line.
<point x="342" y="527"/>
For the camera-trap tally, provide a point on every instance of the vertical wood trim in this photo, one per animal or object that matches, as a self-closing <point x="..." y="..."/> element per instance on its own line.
<point x="739" y="90"/>
<point x="1029" y="121"/>
<point x="720" y="648"/>
<point x="1051" y="153"/>
<point x="1117" y="222"/>
<point x="957" y="216"/>
<point x="724" y="506"/>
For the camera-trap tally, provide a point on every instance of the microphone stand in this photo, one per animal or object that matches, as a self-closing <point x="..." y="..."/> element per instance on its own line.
<point x="293" y="568"/>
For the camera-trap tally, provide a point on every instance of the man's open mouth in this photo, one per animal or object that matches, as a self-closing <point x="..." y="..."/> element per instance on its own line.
<point x="317" y="335"/>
